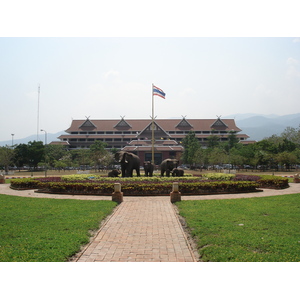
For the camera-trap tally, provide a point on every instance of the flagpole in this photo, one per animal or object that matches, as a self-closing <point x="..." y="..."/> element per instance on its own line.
<point x="152" y="125"/>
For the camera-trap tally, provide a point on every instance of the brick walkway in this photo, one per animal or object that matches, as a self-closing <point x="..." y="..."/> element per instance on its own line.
<point x="141" y="229"/>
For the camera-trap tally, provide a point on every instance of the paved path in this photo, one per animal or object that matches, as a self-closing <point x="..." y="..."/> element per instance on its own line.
<point x="144" y="229"/>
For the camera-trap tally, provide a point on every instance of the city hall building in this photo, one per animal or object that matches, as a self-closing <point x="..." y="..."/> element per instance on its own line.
<point x="135" y="135"/>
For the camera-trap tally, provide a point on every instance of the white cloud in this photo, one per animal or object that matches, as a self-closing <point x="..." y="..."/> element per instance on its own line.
<point x="32" y="96"/>
<point x="292" y="71"/>
<point x="262" y="93"/>
<point x="292" y="61"/>
<point x="187" y="92"/>
<point x="111" y="74"/>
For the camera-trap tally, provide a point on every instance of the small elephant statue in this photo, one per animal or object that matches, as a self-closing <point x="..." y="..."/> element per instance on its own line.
<point x="129" y="162"/>
<point x="177" y="172"/>
<point x="148" y="168"/>
<point x="114" y="173"/>
<point x="167" y="166"/>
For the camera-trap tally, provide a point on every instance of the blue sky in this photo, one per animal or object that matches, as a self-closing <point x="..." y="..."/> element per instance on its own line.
<point x="111" y="75"/>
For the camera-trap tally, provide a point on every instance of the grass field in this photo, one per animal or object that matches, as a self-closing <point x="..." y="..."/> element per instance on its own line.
<point x="47" y="230"/>
<point x="265" y="229"/>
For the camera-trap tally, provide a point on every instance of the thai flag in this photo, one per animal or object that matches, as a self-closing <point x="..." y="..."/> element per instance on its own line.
<point x="158" y="92"/>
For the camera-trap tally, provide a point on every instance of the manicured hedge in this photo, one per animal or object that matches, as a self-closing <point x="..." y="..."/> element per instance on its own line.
<point x="149" y="186"/>
<point x="273" y="182"/>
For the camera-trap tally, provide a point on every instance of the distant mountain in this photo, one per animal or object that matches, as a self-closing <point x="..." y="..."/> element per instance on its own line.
<point x="50" y="137"/>
<point x="259" y="127"/>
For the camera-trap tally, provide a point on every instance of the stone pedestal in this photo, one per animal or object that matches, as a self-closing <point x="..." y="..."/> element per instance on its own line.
<point x="117" y="195"/>
<point x="175" y="195"/>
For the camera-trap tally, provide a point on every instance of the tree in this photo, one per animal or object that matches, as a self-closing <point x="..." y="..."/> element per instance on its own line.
<point x="98" y="152"/>
<point x="21" y="155"/>
<point x="191" y="148"/>
<point x="292" y="134"/>
<point x="286" y="159"/>
<point x="216" y="156"/>
<point x="6" y="157"/>
<point x="236" y="158"/>
<point x="55" y="153"/>
<point x="81" y="157"/>
<point x="213" y="141"/>
<point x="232" y="141"/>
<point x="36" y="153"/>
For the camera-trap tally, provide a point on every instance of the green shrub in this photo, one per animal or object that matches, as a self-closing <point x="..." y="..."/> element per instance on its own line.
<point x="276" y="182"/>
<point x="89" y="184"/>
<point x="218" y="176"/>
<point x="217" y="187"/>
<point x="24" y="183"/>
<point x="130" y="187"/>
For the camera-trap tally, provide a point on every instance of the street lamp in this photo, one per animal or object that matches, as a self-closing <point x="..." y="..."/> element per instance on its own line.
<point x="45" y="151"/>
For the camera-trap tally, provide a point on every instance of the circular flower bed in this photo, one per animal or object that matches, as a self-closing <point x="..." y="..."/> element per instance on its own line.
<point x="189" y="185"/>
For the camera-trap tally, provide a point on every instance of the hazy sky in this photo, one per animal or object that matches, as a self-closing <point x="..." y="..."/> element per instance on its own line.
<point x="112" y="77"/>
<point x="109" y="77"/>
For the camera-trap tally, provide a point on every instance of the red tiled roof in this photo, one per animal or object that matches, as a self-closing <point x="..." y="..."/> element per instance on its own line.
<point x="138" y="125"/>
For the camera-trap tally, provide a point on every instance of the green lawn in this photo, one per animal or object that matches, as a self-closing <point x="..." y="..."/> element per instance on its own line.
<point x="44" y="230"/>
<point x="265" y="229"/>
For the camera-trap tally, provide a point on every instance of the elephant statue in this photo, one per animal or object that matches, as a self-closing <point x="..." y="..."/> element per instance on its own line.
<point x="167" y="166"/>
<point x="114" y="173"/>
<point x="148" y="167"/>
<point x="177" y="172"/>
<point x="129" y="162"/>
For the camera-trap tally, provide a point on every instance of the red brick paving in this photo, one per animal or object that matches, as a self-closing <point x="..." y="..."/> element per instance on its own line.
<point x="140" y="230"/>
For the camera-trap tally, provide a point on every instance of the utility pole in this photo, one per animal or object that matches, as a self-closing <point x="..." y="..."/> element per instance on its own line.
<point x="38" y="115"/>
